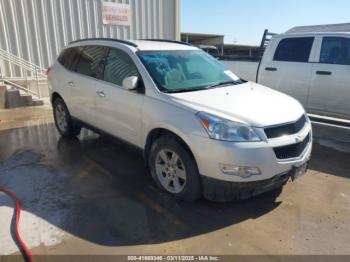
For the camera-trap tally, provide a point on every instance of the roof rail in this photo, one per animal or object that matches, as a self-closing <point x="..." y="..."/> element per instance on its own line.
<point x="168" y="41"/>
<point x="108" y="39"/>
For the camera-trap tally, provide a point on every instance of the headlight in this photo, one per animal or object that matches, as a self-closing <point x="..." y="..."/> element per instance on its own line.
<point x="222" y="129"/>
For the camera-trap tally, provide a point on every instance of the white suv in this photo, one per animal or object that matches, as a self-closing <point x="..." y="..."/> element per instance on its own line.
<point x="203" y="131"/>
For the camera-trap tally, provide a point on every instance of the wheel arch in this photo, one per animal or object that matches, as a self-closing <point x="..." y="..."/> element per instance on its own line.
<point x="193" y="190"/>
<point x="54" y="96"/>
<point x="155" y="133"/>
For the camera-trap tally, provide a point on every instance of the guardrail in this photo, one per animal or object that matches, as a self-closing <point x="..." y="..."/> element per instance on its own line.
<point x="29" y="72"/>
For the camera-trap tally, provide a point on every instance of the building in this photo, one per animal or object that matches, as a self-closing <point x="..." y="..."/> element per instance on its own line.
<point x="199" y="39"/>
<point x="205" y="41"/>
<point x="37" y="30"/>
<point x="236" y="50"/>
<point x="33" y="32"/>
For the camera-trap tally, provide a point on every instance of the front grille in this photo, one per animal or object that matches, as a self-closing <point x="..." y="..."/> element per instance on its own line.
<point x="287" y="129"/>
<point x="291" y="151"/>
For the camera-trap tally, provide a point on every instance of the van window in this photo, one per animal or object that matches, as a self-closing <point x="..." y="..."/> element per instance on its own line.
<point x="335" y="50"/>
<point x="68" y="56"/>
<point x="119" y="66"/>
<point x="91" y="61"/>
<point x="294" y="49"/>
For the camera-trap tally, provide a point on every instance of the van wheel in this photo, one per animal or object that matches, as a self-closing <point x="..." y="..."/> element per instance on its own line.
<point x="64" y="123"/>
<point x="174" y="168"/>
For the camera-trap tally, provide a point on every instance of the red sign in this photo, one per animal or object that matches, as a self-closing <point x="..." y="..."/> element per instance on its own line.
<point x="116" y="14"/>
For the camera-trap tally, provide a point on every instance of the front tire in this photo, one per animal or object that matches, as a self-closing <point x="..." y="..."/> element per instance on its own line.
<point x="174" y="168"/>
<point x="63" y="120"/>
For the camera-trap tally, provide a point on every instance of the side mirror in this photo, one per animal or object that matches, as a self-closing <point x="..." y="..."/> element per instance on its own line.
<point x="130" y="82"/>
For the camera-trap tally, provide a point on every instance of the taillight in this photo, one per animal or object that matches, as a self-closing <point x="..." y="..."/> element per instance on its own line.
<point x="48" y="70"/>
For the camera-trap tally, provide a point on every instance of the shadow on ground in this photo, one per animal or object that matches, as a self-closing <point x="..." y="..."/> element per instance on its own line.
<point x="97" y="189"/>
<point x="327" y="160"/>
<point x="331" y="150"/>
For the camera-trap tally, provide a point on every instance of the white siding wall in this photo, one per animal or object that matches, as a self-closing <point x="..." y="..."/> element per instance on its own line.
<point x="37" y="30"/>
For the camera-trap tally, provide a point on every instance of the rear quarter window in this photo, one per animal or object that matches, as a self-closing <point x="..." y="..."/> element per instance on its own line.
<point x="91" y="61"/>
<point x="295" y="49"/>
<point x="68" y="56"/>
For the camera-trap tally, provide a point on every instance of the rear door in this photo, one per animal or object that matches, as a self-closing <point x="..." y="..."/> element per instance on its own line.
<point x="288" y="69"/>
<point x="119" y="110"/>
<point x="65" y="75"/>
<point x="82" y="85"/>
<point x="330" y="83"/>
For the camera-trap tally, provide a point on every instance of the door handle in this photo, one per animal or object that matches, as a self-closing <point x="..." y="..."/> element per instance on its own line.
<point x="71" y="84"/>
<point x="270" y="68"/>
<point x="324" y="73"/>
<point x="101" y="94"/>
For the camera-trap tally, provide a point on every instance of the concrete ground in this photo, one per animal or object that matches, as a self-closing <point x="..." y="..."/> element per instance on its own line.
<point x="91" y="196"/>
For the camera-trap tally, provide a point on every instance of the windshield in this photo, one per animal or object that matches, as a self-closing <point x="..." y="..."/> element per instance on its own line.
<point x="211" y="51"/>
<point x="181" y="71"/>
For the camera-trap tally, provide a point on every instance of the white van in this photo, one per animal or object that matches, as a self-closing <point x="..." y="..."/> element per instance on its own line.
<point x="202" y="130"/>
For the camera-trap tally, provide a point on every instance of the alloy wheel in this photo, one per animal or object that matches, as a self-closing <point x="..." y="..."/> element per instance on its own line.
<point x="61" y="118"/>
<point x="170" y="171"/>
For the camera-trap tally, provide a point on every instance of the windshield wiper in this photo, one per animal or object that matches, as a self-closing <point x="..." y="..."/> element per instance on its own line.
<point x="217" y="84"/>
<point x="222" y="83"/>
<point x="181" y="90"/>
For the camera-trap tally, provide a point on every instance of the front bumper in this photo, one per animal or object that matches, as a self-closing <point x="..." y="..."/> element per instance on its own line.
<point x="223" y="191"/>
<point x="209" y="154"/>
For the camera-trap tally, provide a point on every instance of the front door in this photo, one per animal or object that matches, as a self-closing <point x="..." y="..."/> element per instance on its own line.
<point x="119" y="111"/>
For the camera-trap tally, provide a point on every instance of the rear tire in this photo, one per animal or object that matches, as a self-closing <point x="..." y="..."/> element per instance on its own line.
<point x="174" y="168"/>
<point x="63" y="120"/>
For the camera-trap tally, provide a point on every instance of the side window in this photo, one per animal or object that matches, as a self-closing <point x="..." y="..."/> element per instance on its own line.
<point x="335" y="50"/>
<point x="69" y="55"/>
<point x="75" y="59"/>
<point x="119" y="66"/>
<point x="294" y="49"/>
<point x="91" y="61"/>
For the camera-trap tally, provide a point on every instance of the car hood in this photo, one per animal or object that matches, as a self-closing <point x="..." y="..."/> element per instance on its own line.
<point x="251" y="103"/>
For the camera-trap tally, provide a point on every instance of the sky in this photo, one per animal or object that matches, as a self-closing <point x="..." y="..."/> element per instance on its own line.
<point x="243" y="21"/>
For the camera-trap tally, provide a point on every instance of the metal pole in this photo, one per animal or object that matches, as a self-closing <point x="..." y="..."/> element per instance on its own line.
<point x="37" y="82"/>
<point x="177" y="20"/>
<point x="26" y="78"/>
<point x="1" y="74"/>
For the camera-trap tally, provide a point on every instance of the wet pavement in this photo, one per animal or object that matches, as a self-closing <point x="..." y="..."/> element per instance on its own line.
<point x="92" y="195"/>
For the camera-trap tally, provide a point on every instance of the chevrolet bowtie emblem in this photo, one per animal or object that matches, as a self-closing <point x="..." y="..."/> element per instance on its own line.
<point x="299" y="138"/>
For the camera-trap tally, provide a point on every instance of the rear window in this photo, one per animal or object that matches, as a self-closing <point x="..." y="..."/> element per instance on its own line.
<point x="91" y="61"/>
<point x="294" y="49"/>
<point x="68" y="55"/>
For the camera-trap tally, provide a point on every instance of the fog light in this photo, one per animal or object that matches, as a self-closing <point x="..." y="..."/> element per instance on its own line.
<point x="240" y="171"/>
